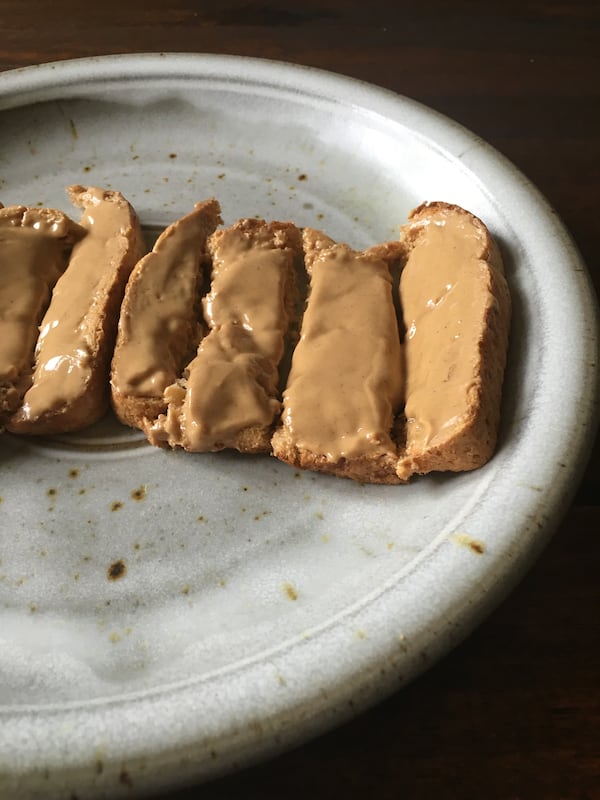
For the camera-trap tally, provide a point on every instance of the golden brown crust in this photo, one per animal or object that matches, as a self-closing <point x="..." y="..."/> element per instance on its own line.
<point x="372" y="469"/>
<point x="473" y="439"/>
<point x="101" y="322"/>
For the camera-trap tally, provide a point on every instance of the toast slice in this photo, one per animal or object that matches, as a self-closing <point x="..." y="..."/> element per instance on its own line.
<point x="34" y="249"/>
<point x="228" y="396"/>
<point x="69" y="388"/>
<point x="159" y="325"/>
<point x="346" y="380"/>
<point x="456" y="307"/>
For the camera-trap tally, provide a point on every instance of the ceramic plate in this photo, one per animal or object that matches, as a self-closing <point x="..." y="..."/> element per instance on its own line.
<point x="163" y="616"/>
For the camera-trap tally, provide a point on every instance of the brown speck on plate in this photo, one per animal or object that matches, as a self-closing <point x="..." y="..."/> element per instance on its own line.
<point x="117" y="505"/>
<point x="116" y="571"/>
<point x="290" y="591"/>
<point x="139" y="493"/>
<point x="465" y="540"/>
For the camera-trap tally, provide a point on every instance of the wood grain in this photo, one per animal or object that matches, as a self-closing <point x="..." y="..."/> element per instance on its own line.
<point x="514" y="712"/>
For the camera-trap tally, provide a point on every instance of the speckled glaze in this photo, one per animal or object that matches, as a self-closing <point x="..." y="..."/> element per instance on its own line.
<point x="165" y="617"/>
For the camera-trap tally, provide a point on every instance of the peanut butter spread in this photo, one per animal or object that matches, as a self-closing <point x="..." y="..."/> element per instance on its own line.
<point x="443" y="295"/>
<point x="34" y="245"/>
<point x="346" y="379"/>
<point x="69" y="329"/>
<point x="160" y="317"/>
<point x="231" y="385"/>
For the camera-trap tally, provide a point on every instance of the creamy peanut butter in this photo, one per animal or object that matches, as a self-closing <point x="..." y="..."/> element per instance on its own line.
<point x="346" y="379"/>
<point x="444" y="292"/>
<point x="74" y="321"/>
<point x="231" y="385"/>
<point x="159" y="321"/>
<point x="34" y="247"/>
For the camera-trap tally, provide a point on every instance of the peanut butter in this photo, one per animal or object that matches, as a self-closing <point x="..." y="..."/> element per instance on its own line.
<point x="231" y="385"/>
<point x="34" y="246"/>
<point x="443" y="293"/>
<point x="159" y="322"/>
<point x="74" y="321"/>
<point x="346" y="379"/>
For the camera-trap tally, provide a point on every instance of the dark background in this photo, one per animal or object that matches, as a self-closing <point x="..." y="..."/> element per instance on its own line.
<point x="514" y="712"/>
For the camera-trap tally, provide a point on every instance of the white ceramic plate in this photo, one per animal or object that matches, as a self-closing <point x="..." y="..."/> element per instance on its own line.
<point x="163" y="616"/>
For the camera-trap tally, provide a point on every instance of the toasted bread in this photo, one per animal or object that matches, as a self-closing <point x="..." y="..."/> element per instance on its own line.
<point x="228" y="397"/>
<point x="346" y="378"/>
<point x="69" y="388"/>
<point x="159" y="325"/>
<point x="456" y="307"/>
<point x="34" y="249"/>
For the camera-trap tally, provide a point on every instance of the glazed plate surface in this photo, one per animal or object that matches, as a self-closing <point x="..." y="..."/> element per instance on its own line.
<point x="164" y="616"/>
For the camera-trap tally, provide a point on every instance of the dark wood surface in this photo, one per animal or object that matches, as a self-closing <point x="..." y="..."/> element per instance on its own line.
<point x="514" y="712"/>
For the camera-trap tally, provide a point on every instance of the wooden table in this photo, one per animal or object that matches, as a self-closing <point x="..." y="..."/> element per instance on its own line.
<point x="514" y="712"/>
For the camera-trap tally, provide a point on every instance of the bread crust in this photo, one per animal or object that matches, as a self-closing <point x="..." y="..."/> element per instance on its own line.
<point x="100" y="320"/>
<point x="364" y="469"/>
<point x="471" y="440"/>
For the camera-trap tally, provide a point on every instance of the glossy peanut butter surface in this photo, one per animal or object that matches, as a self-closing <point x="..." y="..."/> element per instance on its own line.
<point x="346" y="379"/>
<point x="162" y="305"/>
<point x="33" y="254"/>
<point x="69" y="329"/>
<point x="231" y="384"/>
<point x="443" y="293"/>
